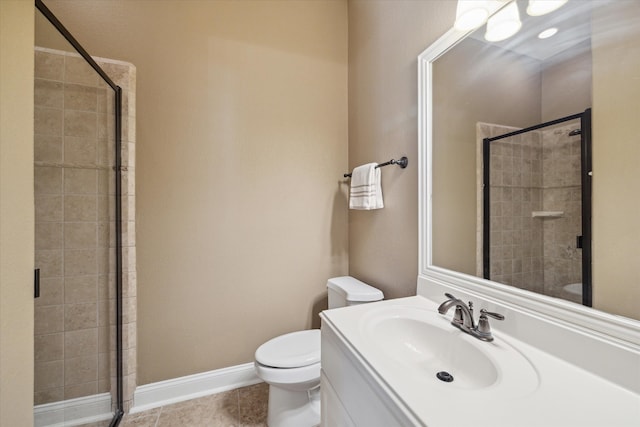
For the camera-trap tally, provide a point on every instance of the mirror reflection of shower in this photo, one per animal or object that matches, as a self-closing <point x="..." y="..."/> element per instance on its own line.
<point x="536" y="229"/>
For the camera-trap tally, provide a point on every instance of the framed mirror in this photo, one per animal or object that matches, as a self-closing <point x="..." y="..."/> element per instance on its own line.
<point x="559" y="181"/>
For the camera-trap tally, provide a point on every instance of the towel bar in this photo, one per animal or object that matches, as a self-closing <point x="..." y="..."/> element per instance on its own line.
<point x="403" y="162"/>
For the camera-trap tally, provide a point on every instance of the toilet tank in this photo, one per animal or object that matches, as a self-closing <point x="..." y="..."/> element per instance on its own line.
<point x="347" y="290"/>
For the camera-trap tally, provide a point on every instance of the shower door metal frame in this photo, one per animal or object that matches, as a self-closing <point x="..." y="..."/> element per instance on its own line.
<point x="119" y="409"/>
<point x="585" y="180"/>
<point x="586" y="176"/>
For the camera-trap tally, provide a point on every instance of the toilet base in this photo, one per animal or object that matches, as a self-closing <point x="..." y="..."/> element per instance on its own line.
<point x="293" y="408"/>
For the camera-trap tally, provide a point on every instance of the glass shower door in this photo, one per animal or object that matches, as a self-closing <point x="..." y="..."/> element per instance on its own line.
<point x="75" y="241"/>
<point x="537" y="208"/>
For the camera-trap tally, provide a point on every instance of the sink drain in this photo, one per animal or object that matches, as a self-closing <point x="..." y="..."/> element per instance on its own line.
<point x="444" y="376"/>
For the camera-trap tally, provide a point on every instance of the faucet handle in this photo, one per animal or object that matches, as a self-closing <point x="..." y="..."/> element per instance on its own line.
<point x="448" y="295"/>
<point x="483" y="330"/>
<point x="485" y="313"/>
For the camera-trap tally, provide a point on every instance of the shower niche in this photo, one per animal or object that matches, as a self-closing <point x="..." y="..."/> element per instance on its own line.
<point x="534" y="230"/>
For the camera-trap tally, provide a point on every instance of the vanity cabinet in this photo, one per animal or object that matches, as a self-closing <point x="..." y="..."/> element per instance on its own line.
<point x="352" y="394"/>
<point x="333" y="411"/>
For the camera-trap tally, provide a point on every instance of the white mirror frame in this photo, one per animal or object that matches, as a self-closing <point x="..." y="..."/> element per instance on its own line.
<point x="556" y="310"/>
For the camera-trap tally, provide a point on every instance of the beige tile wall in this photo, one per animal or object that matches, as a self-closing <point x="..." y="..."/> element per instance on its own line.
<point x="516" y="238"/>
<point x="124" y="75"/>
<point x="75" y="226"/>
<point x="562" y="192"/>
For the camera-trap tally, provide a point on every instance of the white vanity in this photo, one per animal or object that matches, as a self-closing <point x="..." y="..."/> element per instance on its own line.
<point x="379" y="366"/>
<point x="553" y="363"/>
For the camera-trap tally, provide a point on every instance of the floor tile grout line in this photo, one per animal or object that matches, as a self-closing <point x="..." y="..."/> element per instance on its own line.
<point x="238" y="406"/>
<point x="158" y="417"/>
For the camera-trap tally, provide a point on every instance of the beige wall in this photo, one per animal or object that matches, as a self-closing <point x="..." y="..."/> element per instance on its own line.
<point x="16" y="211"/>
<point x="616" y="161"/>
<point x="241" y="144"/>
<point x="385" y="38"/>
<point x="566" y="85"/>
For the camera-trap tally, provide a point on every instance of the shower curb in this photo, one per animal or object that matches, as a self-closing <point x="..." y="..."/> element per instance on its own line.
<point x="74" y="412"/>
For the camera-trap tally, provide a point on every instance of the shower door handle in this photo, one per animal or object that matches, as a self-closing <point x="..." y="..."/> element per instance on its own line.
<point x="579" y="242"/>
<point x="36" y="283"/>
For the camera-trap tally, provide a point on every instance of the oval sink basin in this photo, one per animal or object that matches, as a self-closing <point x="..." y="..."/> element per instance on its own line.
<point x="431" y="349"/>
<point x="418" y="344"/>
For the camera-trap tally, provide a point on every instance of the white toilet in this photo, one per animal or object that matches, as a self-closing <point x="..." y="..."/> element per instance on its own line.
<point x="290" y="363"/>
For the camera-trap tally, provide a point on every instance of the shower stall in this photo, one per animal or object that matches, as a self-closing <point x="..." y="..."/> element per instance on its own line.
<point x="83" y="166"/>
<point x="536" y="192"/>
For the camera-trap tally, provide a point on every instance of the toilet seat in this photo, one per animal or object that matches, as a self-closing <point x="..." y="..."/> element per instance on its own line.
<point x="293" y="350"/>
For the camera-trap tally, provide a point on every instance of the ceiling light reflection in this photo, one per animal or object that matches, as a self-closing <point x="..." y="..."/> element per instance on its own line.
<point x="503" y="24"/>
<point x="542" y="7"/>
<point x="549" y="32"/>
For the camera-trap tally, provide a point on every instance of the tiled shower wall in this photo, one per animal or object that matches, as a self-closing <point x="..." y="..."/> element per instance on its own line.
<point x="562" y="192"/>
<point x="535" y="171"/>
<point x="516" y="238"/>
<point x="75" y="227"/>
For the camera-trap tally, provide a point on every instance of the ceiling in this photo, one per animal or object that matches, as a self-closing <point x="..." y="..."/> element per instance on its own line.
<point x="573" y="21"/>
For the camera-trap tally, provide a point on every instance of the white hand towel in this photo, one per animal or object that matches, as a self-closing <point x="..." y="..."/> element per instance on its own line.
<point x="366" y="191"/>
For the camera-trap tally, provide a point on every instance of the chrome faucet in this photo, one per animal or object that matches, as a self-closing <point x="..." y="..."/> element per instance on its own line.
<point x="463" y="318"/>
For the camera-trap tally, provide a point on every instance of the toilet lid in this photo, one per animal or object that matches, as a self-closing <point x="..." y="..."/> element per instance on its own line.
<point x="292" y="350"/>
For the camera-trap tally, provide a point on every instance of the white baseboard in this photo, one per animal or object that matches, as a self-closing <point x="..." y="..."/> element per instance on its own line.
<point x="162" y="393"/>
<point x="85" y="410"/>
<point x="73" y="412"/>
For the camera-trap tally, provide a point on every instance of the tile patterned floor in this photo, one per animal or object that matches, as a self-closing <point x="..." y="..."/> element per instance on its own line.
<point x="243" y="407"/>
